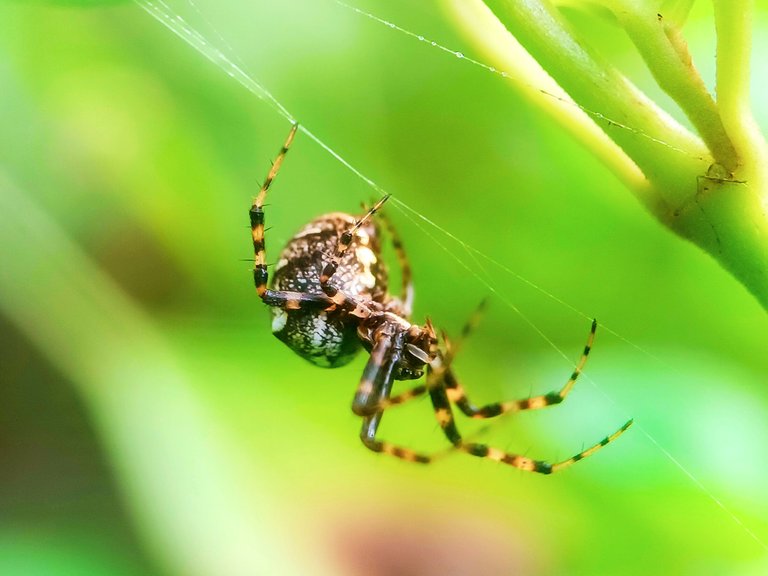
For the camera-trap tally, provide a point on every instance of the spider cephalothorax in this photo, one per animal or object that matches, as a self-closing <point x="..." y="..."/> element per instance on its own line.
<point x="329" y="298"/>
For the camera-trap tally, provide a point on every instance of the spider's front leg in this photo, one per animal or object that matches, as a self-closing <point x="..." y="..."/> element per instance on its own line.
<point x="443" y="388"/>
<point x="260" y="274"/>
<point x="406" y="280"/>
<point x="374" y="388"/>
<point x="458" y="396"/>
<point x="444" y="414"/>
<point x="368" y="436"/>
<point x="442" y="374"/>
<point x="277" y="298"/>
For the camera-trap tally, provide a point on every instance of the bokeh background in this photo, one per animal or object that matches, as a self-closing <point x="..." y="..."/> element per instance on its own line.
<point x="150" y="423"/>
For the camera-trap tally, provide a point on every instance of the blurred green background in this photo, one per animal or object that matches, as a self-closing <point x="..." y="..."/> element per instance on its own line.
<point x="151" y="424"/>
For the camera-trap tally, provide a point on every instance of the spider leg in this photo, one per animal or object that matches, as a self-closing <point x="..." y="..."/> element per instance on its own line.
<point x="445" y="418"/>
<point x="285" y="299"/>
<point x="469" y="326"/>
<point x="296" y="300"/>
<point x="406" y="282"/>
<point x="376" y="382"/>
<point x="374" y="387"/>
<point x="345" y="240"/>
<point x="260" y="274"/>
<point x="443" y="388"/>
<point x="353" y="306"/>
<point x="442" y="375"/>
<point x="368" y="436"/>
<point x="458" y="396"/>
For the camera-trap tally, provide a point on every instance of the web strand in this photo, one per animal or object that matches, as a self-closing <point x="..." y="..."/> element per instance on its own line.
<point x="161" y="12"/>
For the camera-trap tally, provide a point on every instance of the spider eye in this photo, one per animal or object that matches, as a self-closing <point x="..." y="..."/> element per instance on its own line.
<point x="418" y="353"/>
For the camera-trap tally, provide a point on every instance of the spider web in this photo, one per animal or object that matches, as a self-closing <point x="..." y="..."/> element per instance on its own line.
<point x="234" y="68"/>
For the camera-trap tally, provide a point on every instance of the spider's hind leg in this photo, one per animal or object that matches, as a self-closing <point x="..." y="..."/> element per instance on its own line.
<point x="441" y="375"/>
<point x="406" y="280"/>
<point x="260" y="274"/>
<point x="458" y="396"/>
<point x="445" y="417"/>
<point x="444" y="388"/>
<point x="368" y="436"/>
<point x="374" y="387"/>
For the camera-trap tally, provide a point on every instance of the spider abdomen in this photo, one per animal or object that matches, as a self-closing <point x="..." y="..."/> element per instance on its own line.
<point x="327" y="338"/>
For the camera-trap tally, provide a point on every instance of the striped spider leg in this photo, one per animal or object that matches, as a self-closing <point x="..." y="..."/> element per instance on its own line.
<point x="444" y="389"/>
<point x="287" y="299"/>
<point x="404" y="304"/>
<point x="375" y="387"/>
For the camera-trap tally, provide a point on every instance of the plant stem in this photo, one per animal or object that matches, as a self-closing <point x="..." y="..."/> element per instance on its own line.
<point x="661" y="148"/>
<point x="719" y="202"/>
<point x="531" y="80"/>
<point x="667" y="57"/>
<point x="733" y="21"/>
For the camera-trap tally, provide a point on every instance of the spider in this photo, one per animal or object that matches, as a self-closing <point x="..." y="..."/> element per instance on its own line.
<point x="329" y="298"/>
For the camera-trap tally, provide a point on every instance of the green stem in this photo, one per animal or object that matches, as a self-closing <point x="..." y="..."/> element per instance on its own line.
<point x="733" y="21"/>
<point x="662" y="149"/>
<point x="721" y="206"/>
<point x="667" y="57"/>
<point x="675" y="12"/>
<point x="730" y="216"/>
<point x="522" y="72"/>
